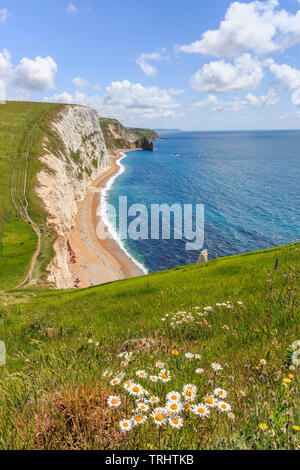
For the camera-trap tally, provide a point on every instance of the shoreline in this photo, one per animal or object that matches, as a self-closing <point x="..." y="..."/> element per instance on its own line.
<point x="94" y="261"/>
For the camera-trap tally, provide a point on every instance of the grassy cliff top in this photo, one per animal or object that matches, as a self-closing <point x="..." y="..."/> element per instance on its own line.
<point x="23" y="126"/>
<point x="245" y="312"/>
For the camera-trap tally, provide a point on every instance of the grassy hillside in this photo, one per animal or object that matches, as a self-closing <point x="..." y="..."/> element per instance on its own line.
<point x="118" y="136"/>
<point x="53" y="395"/>
<point x="22" y="218"/>
<point x="140" y="132"/>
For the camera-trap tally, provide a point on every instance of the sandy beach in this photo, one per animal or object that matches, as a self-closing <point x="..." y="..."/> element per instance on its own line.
<point x="92" y="260"/>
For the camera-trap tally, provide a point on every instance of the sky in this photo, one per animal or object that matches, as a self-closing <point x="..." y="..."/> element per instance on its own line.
<point x="193" y="65"/>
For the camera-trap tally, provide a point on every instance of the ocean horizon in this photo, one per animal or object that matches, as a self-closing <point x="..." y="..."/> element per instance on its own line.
<point x="247" y="181"/>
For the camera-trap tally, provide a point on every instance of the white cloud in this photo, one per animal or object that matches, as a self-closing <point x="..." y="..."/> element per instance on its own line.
<point x="64" y="97"/>
<point x="237" y="104"/>
<point x="97" y="87"/>
<point x="4" y="14"/>
<point x="287" y="76"/>
<point x="258" y="26"/>
<point x="221" y="76"/>
<point x="37" y="74"/>
<point x="296" y="97"/>
<point x="136" y="97"/>
<point x="144" y="59"/>
<point x="72" y="9"/>
<point x="80" y="82"/>
<point x="130" y="102"/>
<point x="6" y="67"/>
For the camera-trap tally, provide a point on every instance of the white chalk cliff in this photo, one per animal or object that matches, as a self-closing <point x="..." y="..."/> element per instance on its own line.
<point x="66" y="177"/>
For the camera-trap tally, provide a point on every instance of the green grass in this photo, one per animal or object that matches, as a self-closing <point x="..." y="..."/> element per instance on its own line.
<point x="17" y="238"/>
<point x="51" y="366"/>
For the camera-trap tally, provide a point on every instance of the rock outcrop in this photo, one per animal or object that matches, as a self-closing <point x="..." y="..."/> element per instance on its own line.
<point x="119" y="137"/>
<point x="79" y="156"/>
<point x="145" y="144"/>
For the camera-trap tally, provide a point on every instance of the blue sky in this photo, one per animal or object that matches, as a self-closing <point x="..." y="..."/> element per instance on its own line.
<point x="194" y="65"/>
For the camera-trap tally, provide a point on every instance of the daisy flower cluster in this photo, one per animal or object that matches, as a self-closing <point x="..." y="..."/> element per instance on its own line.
<point x="229" y="304"/>
<point x="147" y="401"/>
<point x="182" y="318"/>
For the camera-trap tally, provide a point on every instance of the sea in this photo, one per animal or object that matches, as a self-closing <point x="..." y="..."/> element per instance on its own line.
<point x="247" y="181"/>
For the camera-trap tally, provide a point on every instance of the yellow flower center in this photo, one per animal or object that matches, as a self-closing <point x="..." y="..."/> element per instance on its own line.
<point x="159" y="417"/>
<point x="173" y="397"/>
<point x="114" y="401"/>
<point x="135" y="389"/>
<point x="139" y="418"/>
<point x="187" y="406"/>
<point x="201" y="410"/>
<point x="174" y="407"/>
<point x="223" y="406"/>
<point x="220" y="393"/>
<point x="163" y="376"/>
<point x="209" y="400"/>
<point x="188" y="393"/>
<point x="125" y="425"/>
<point x="175" y="421"/>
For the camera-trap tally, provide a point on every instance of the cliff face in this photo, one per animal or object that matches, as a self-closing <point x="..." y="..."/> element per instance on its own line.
<point x="118" y="136"/>
<point x="80" y="156"/>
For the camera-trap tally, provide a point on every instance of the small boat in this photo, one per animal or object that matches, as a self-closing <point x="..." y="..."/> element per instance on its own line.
<point x="176" y="155"/>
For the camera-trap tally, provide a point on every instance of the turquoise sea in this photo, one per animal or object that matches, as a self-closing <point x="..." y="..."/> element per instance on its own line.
<point x="249" y="183"/>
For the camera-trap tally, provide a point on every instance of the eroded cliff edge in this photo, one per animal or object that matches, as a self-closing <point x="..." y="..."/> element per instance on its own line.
<point x="78" y="157"/>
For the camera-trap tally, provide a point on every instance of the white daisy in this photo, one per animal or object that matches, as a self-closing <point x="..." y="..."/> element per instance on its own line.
<point x="129" y="356"/>
<point x="141" y="373"/>
<point x="143" y="407"/>
<point x="219" y="392"/>
<point x="115" y="381"/>
<point x="139" y="418"/>
<point x="211" y="401"/>
<point x="173" y="396"/>
<point x="120" y="375"/>
<point x="158" y="416"/>
<point x="160" y="364"/>
<point x="125" y="425"/>
<point x="189" y="355"/>
<point x="201" y="410"/>
<point x="106" y="373"/>
<point x="135" y="389"/>
<point x="113" y="401"/>
<point x="199" y="371"/>
<point x="197" y="356"/>
<point x="173" y="407"/>
<point x="187" y="406"/>
<point x="216" y="366"/>
<point x="176" y="422"/>
<point x="224" y="407"/>
<point x="153" y="378"/>
<point x="153" y="400"/>
<point x="165" y="376"/>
